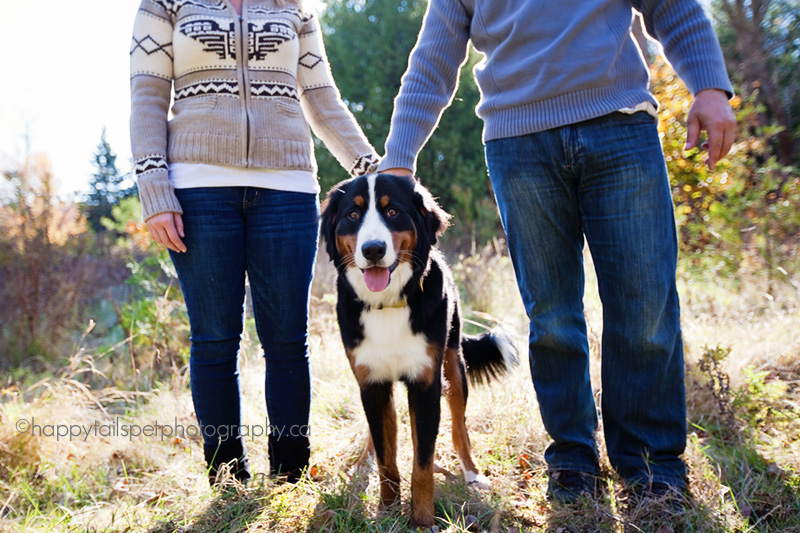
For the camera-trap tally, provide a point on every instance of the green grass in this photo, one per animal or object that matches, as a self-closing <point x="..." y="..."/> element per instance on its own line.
<point x="743" y="449"/>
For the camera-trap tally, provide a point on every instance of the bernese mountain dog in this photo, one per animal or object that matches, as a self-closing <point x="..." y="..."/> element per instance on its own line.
<point x="399" y="317"/>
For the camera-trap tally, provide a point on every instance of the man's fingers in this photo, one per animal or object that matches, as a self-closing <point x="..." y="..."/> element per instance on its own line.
<point x="692" y="132"/>
<point x="729" y="139"/>
<point x="728" y="135"/>
<point x="711" y="112"/>
<point x="721" y="135"/>
<point x="715" y="140"/>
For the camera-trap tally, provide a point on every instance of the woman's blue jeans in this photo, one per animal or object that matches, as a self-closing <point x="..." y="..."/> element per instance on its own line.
<point x="272" y="237"/>
<point x="605" y="180"/>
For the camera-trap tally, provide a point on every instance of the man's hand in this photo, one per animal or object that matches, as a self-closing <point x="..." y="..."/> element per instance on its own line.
<point x="167" y="229"/>
<point x="398" y="172"/>
<point x="711" y="112"/>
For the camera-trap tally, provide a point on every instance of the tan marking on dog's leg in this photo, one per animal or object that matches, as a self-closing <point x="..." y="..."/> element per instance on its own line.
<point x="361" y="372"/>
<point x="387" y="470"/>
<point x="425" y="377"/>
<point x="421" y="485"/>
<point x="457" y="400"/>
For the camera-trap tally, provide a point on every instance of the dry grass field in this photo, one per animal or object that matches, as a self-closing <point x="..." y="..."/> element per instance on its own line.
<point x="743" y="377"/>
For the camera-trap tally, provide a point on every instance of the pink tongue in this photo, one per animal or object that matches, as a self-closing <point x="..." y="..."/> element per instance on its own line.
<point x="376" y="278"/>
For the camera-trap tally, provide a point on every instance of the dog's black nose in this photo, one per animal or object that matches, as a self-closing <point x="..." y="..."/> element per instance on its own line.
<point x="374" y="250"/>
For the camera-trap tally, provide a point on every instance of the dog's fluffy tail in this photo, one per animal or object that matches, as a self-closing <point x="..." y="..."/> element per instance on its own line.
<point x="489" y="355"/>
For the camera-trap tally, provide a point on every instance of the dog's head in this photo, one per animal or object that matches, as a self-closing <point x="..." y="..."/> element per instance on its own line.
<point x="379" y="230"/>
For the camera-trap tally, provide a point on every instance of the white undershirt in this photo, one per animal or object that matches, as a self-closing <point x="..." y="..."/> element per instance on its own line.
<point x="191" y="175"/>
<point x="643" y="106"/>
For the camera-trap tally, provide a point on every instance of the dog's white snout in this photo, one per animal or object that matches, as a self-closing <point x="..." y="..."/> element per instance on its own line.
<point x="374" y="236"/>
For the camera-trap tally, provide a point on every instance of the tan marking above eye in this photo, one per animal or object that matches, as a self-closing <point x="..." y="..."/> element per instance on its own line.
<point x="384" y="201"/>
<point x="359" y="201"/>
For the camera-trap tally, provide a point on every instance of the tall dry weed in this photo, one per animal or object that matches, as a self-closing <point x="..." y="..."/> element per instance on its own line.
<point x="50" y="268"/>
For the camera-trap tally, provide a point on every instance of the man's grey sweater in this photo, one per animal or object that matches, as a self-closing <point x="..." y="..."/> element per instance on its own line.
<point x="547" y="64"/>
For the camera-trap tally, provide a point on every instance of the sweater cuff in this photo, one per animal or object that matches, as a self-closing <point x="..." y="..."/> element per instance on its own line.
<point x="157" y="194"/>
<point x="364" y="164"/>
<point x="391" y="160"/>
<point x="707" y="78"/>
<point x="702" y="72"/>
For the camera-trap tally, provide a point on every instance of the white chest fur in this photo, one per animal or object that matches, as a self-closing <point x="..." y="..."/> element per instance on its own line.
<point x="390" y="350"/>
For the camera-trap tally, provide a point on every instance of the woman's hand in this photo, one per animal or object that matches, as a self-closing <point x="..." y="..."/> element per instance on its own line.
<point x="167" y="229"/>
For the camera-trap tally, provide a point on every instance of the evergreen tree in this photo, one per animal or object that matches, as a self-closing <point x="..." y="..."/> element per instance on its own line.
<point x="106" y="186"/>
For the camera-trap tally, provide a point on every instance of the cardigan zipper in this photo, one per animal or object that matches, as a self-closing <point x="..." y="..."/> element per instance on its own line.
<point x="242" y="62"/>
<point x="246" y="80"/>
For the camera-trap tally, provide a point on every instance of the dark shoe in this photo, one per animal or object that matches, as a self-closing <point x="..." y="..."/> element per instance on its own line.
<point x="674" y="497"/>
<point x="232" y="455"/>
<point x="288" y="457"/>
<point x="568" y="486"/>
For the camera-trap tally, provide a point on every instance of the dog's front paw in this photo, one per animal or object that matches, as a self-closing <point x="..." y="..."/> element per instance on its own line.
<point x="477" y="481"/>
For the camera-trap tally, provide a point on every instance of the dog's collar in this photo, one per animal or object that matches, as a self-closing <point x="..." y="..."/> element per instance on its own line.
<point x="399" y="305"/>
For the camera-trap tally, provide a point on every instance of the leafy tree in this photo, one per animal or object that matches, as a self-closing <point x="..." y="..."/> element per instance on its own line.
<point x="761" y="42"/>
<point x="106" y="186"/>
<point x="368" y="43"/>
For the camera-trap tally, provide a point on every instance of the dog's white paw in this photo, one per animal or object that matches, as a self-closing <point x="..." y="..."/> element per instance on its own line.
<point x="477" y="481"/>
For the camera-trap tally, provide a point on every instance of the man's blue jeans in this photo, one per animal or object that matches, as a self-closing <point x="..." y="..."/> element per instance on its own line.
<point x="604" y="179"/>
<point x="272" y="237"/>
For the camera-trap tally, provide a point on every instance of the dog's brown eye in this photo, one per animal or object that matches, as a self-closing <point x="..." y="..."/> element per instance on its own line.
<point x="354" y="215"/>
<point x="391" y="212"/>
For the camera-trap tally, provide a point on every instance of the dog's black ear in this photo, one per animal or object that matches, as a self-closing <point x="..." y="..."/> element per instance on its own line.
<point x="330" y="208"/>
<point x="434" y="219"/>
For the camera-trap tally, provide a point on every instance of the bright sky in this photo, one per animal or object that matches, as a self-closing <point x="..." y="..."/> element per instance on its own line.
<point x="65" y="77"/>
